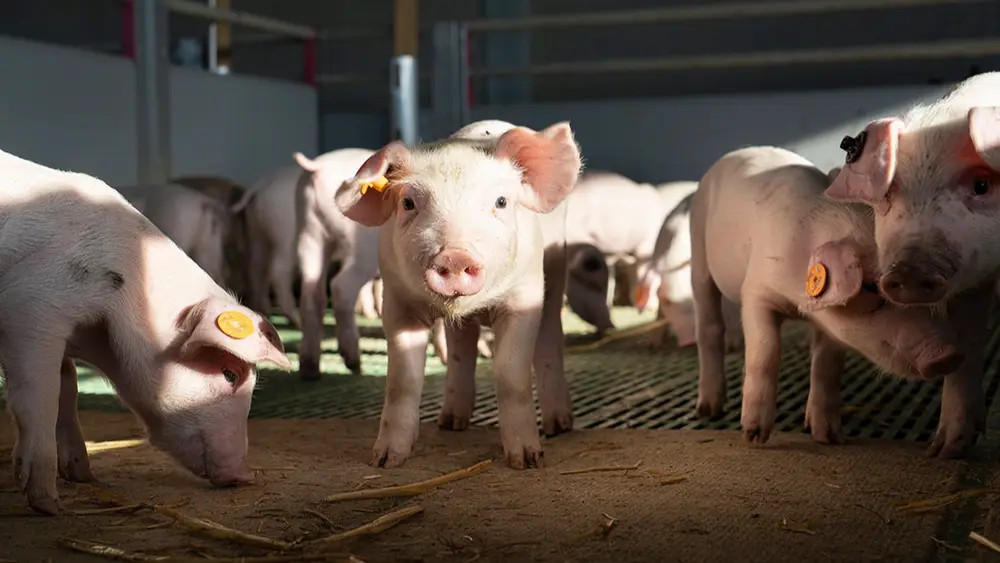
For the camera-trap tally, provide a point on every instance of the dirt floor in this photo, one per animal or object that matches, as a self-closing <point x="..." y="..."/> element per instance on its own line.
<point x="693" y="496"/>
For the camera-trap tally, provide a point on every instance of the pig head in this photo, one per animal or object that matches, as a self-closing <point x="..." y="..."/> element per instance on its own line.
<point x="933" y="176"/>
<point x="587" y="285"/>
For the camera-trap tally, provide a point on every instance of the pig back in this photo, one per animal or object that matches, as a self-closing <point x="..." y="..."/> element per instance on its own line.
<point x="612" y="212"/>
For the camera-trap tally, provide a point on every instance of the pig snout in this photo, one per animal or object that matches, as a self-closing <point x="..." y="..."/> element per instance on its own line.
<point x="910" y="283"/>
<point x="454" y="272"/>
<point x="920" y="273"/>
<point x="238" y="475"/>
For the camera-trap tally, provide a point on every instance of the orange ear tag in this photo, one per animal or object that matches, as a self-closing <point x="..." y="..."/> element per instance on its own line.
<point x="816" y="280"/>
<point x="378" y="184"/>
<point x="235" y="324"/>
<point x="641" y="296"/>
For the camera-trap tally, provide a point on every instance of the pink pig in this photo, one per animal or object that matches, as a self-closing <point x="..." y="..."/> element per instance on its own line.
<point x="85" y="276"/>
<point x="932" y="175"/>
<point x="460" y="238"/>
<point x="759" y="228"/>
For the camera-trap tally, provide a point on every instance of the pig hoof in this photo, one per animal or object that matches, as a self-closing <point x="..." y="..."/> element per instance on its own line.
<point x="558" y="423"/>
<point x="309" y="369"/>
<point x="824" y="429"/>
<point x="353" y="366"/>
<point x="525" y="458"/>
<point x="77" y="470"/>
<point x="759" y="435"/>
<point x="452" y="421"/>
<point x="387" y="457"/>
<point x="945" y="446"/>
<point x="44" y="505"/>
<point x="710" y="409"/>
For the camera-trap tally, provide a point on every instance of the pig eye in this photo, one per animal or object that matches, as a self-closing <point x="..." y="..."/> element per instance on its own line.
<point x="230" y="376"/>
<point x="408" y="204"/>
<point x="981" y="185"/>
<point x="501" y="202"/>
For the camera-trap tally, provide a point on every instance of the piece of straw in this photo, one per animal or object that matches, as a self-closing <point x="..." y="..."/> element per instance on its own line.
<point x="985" y="542"/>
<point x="376" y="526"/>
<point x="618" y="335"/>
<point x="412" y="489"/>
<point x="213" y="530"/>
<point x="918" y="506"/>
<point x="601" y="469"/>
<point x="110" y="552"/>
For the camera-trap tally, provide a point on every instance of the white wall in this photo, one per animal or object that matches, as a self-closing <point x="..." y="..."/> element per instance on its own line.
<point x="76" y="110"/>
<point x="659" y="140"/>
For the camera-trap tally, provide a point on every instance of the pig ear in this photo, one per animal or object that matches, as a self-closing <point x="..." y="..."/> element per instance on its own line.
<point x="870" y="164"/>
<point x="833" y="277"/>
<point x="549" y="162"/>
<point x="373" y="207"/>
<point x="984" y="130"/>
<point x="221" y="324"/>
<point x="306" y="163"/>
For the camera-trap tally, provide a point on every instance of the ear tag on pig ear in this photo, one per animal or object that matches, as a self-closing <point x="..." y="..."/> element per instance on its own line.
<point x="234" y="324"/>
<point x="854" y="146"/>
<point x="816" y="280"/>
<point x="378" y="184"/>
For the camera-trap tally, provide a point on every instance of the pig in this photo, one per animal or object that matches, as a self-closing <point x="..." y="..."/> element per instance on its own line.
<point x="87" y="277"/>
<point x="460" y="238"/>
<point x="762" y="235"/>
<point x="369" y="302"/>
<point x="268" y="208"/>
<point x="668" y="276"/>
<point x="587" y="285"/>
<point x="930" y="175"/>
<point x="636" y="211"/>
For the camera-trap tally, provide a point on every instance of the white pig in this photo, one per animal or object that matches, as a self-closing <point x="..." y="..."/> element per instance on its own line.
<point x="763" y="235"/>
<point x="460" y="238"/>
<point x="668" y="277"/>
<point x="932" y="175"/>
<point x="85" y="276"/>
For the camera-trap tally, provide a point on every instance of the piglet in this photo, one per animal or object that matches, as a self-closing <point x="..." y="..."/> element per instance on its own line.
<point x="460" y="238"/>
<point x="763" y="236"/>
<point x="932" y="175"/>
<point x="87" y="277"/>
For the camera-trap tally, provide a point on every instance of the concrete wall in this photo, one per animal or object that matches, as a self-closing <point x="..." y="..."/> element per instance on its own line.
<point x="76" y="110"/>
<point x="678" y="138"/>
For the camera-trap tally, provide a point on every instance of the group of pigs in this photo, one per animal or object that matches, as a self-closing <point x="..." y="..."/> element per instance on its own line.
<point x="894" y="255"/>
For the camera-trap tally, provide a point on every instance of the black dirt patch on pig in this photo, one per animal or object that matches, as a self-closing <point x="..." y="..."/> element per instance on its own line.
<point x="117" y="280"/>
<point x="78" y="271"/>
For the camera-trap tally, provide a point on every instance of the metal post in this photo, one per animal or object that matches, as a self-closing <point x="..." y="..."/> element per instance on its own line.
<point x="152" y="71"/>
<point x="450" y="86"/>
<point x="403" y="88"/>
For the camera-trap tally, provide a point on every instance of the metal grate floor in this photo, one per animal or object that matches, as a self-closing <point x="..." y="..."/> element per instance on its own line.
<point x="620" y="385"/>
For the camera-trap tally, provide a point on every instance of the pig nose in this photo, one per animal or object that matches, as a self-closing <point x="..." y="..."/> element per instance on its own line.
<point x="454" y="272"/>
<point x="906" y="284"/>
<point x="939" y="364"/>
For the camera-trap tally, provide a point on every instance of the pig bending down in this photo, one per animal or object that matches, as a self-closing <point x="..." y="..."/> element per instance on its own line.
<point x="587" y="285"/>
<point x="669" y="272"/>
<point x="932" y="175"/>
<point x="460" y="238"/>
<point x="763" y="235"/>
<point x="85" y="276"/>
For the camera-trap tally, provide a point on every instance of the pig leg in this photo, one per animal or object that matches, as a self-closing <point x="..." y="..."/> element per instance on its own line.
<point x="734" y="332"/>
<point x="460" y="376"/>
<point x="550" y="374"/>
<point x="406" y="338"/>
<point x="823" y="404"/>
<point x="440" y="341"/>
<point x="710" y="329"/>
<point x="74" y="465"/>
<point x="344" y="289"/>
<point x="483" y="347"/>
<point x="377" y="295"/>
<point x="31" y="364"/>
<point x="515" y="330"/>
<point x="281" y="274"/>
<point x="760" y="375"/>
<point x="314" y="262"/>
<point x="963" y="407"/>
<point x="366" y="301"/>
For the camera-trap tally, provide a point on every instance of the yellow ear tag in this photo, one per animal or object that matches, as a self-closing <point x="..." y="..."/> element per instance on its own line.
<point x="234" y="324"/>
<point x="378" y="185"/>
<point x="816" y="280"/>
